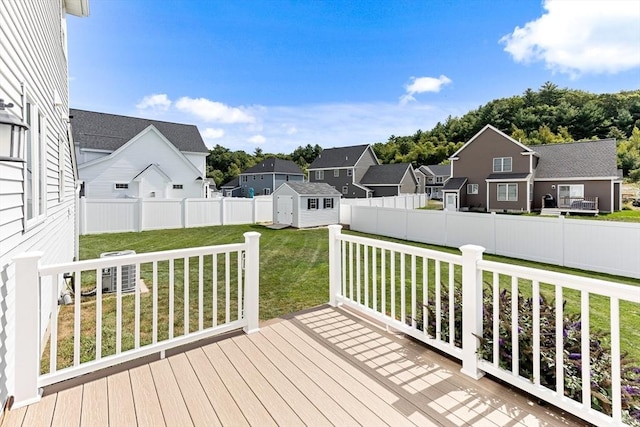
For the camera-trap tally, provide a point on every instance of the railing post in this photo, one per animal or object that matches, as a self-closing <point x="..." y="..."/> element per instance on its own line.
<point x="335" y="264"/>
<point x="252" y="281"/>
<point x="27" y="329"/>
<point x="472" y="302"/>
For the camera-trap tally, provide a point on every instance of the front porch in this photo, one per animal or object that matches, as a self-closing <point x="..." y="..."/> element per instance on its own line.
<point x="322" y="367"/>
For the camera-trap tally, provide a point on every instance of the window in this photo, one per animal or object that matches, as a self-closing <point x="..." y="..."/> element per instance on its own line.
<point x="349" y="172"/>
<point x="345" y="190"/>
<point x="439" y="179"/>
<point x="328" y="203"/>
<point x="254" y="177"/>
<point x="267" y="191"/>
<point x="472" y="188"/>
<point x="319" y="175"/>
<point x="312" y="203"/>
<point x="287" y="177"/>
<point x="502" y="164"/>
<point x="418" y="178"/>
<point x="261" y="176"/>
<point x="121" y="186"/>
<point x="244" y="178"/>
<point x="508" y="192"/>
<point x="336" y="173"/>
<point x="568" y="194"/>
<point x="35" y="174"/>
<point x="177" y="186"/>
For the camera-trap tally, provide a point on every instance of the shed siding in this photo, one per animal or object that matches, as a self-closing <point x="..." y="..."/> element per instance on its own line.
<point x="315" y="217"/>
<point x="34" y="52"/>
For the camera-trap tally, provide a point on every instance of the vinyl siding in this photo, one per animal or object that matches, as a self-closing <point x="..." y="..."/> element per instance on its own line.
<point x="33" y="53"/>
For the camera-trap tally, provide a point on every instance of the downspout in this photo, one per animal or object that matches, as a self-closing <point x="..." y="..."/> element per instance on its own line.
<point x="77" y="220"/>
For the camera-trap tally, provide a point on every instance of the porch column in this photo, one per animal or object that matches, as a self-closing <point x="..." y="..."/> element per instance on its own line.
<point x="472" y="302"/>
<point x="27" y="330"/>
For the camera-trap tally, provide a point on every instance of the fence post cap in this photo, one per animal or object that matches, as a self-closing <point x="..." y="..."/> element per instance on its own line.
<point x="335" y="227"/>
<point x="250" y="234"/>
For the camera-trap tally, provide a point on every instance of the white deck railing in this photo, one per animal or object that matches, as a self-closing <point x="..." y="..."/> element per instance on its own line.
<point x="405" y="287"/>
<point x="203" y="291"/>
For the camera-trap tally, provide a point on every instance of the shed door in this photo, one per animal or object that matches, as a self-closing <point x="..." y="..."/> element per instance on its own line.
<point x="285" y="210"/>
<point x="451" y="202"/>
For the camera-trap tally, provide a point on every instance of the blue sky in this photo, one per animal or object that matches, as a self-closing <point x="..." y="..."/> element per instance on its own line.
<point x="278" y="74"/>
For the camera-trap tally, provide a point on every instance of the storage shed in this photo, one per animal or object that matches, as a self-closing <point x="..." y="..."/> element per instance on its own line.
<point x="306" y="204"/>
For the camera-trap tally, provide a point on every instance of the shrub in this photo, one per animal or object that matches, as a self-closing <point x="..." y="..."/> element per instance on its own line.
<point x="600" y="353"/>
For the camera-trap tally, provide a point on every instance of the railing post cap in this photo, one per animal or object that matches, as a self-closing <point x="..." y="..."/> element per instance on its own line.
<point x="29" y="255"/>
<point x="335" y="227"/>
<point x="472" y="248"/>
<point x="250" y="234"/>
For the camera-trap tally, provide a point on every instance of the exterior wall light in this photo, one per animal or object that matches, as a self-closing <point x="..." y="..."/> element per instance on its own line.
<point x="11" y="135"/>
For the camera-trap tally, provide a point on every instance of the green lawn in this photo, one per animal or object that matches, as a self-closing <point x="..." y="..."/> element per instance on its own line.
<point x="293" y="276"/>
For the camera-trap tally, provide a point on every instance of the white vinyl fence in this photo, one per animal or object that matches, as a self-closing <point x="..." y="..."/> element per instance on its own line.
<point x="604" y="246"/>
<point x="447" y="301"/>
<point x="124" y="215"/>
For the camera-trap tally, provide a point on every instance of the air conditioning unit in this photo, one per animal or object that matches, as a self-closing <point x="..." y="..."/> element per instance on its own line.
<point x="110" y="275"/>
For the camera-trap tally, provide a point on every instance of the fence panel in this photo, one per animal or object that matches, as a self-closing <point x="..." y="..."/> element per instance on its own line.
<point x="109" y="216"/>
<point x="238" y="211"/>
<point x="264" y="209"/>
<point x="470" y="228"/>
<point x="162" y="213"/>
<point x="536" y="239"/>
<point x="204" y="212"/>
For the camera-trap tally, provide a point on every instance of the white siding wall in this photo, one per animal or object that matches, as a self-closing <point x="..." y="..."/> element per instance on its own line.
<point x="147" y="148"/>
<point x="33" y="54"/>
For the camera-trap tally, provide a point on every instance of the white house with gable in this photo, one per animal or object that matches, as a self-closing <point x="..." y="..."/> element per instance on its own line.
<point x="129" y="157"/>
<point x="37" y="164"/>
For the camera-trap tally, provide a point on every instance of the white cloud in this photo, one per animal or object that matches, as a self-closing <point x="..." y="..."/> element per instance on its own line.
<point x="575" y="38"/>
<point x="423" y="84"/>
<point x="157" y="102"/>
<point x="257" y="139"/>
<point x="212" y="133"/>
<point x="212" y="111"/>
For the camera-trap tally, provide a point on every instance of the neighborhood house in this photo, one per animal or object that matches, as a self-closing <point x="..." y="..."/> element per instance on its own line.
<point x="129" y="157"/>
<point x="355" y="172"/>
<point x="493" y="172"/>
<point x="431" y="179"/>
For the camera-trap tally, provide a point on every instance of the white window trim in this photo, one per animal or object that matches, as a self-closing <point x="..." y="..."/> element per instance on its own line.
<point x="319" y="174"/>
<point x="177" y="187"/>
<point x="502" y="168"/>
<point x="62" y="175"/>
<point x="267" y="191"/>
<point x="336" y="173"/>
<point x="327" y="203"/>
<point x="312" y="204"/>
<point x="506" y="197"/>
<point x="345" y="189"/>
<point x="37" y="141"/>
<point x="115" y="186"/>
<point x="472" y="188"/>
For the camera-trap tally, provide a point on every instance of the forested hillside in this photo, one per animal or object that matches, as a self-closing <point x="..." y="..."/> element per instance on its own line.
<point x="548" y="115"/>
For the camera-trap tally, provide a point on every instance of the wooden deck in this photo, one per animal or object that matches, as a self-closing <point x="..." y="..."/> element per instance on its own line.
<point x="324" y="367"/>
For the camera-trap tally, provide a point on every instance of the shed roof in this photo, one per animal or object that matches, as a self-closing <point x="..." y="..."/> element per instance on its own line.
<point x="584" y="159"/>
<point x="391" y="174"/>
<point x="313" y="188"/>
<point x="339" y="157"/>
<point x="102" y="131"/>
<point x="274" y="164"/>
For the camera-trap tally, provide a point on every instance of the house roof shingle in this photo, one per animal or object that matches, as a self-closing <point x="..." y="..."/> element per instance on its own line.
<point x="390" y="174"/>
<point x="235" y="182"/>
<point x="109" y="132"/>
<point x="274" y="164"/>
<point x="438" y="170"/>
<point x="313" y="188"/>
<point x="338" y="157"/>
<point x="508" y="176"/>
<point x="454" y="183"/>
<point x="577" y="159"/>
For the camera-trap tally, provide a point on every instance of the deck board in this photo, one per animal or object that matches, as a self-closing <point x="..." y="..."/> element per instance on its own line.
<point x="249" y="404"/>
<point x="68" y="407"/>
<point x="323" y="367"/>
<point x="121" y="409"/>
<point x="202" y="413"/>
<point x="95" y="407"/>
<point x="171" y="400"/>
<point x="145" y="397"/>
<point x="226" y="408"/>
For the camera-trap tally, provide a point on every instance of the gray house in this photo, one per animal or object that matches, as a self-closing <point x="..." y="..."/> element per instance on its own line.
<point x="494" y="172"/>
<point x="266" y="176"/>
<point x="343" y="168"/>
<point x="390" y="180"/>
<point x="356" y="173"/>
<point x="432" y="179"/>
<point x="306" y="204"/>
<point x="231" y="188"/>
